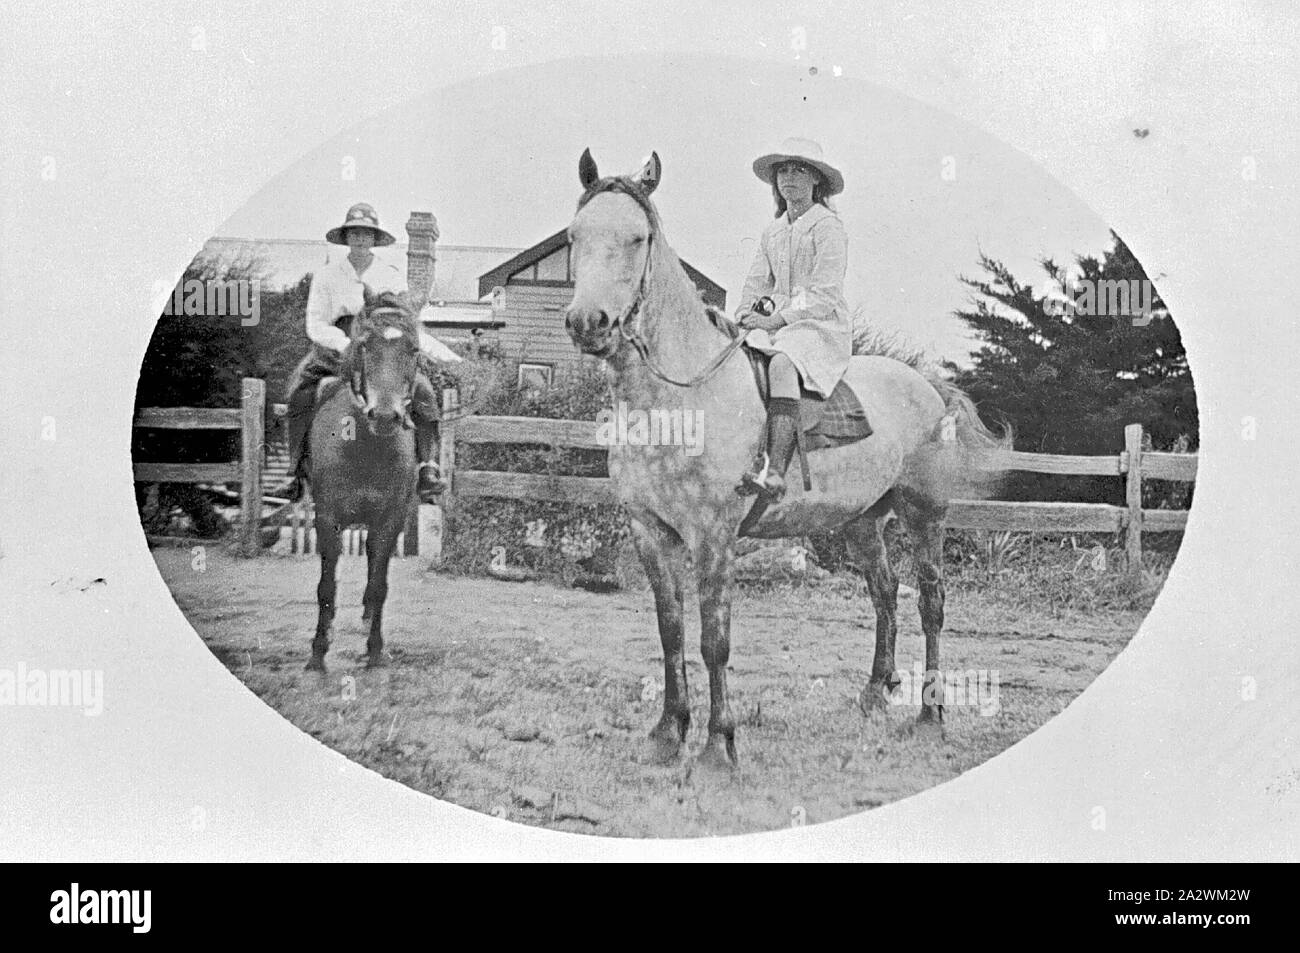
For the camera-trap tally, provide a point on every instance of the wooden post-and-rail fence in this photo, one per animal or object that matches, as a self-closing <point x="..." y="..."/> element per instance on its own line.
<point x="1134" y="464"/>
<point x="249" y="419"/>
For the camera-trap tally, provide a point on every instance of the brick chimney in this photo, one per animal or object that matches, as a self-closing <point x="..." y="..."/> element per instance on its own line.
<point x="422" y="231"/>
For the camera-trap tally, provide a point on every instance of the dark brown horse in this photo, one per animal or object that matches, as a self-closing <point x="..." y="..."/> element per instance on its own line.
<point x="363" y="459"/>
<point x="635" y="308"/>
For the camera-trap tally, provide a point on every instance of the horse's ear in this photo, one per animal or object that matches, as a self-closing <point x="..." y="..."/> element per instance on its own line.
<point x="587" y="173"/>
<point x="648" y="178"/>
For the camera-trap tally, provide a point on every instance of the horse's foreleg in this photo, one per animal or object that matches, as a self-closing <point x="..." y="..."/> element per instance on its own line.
<point x="329" y="544"/>
<point x="925" y="527"/>
<point x="379" y="551"/>
<point x="662" y="553"/>
<point x="866" y="545"/>
<point x="714" y="566"/>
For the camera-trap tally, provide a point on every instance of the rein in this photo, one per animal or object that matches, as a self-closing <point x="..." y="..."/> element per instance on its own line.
<point x="632" y="334"/>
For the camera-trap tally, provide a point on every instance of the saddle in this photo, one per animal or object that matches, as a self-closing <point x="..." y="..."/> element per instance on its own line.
<point x="823" y="421"/>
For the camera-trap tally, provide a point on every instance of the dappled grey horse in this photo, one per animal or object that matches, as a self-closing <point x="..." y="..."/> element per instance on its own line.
<point x="635" y="308"/>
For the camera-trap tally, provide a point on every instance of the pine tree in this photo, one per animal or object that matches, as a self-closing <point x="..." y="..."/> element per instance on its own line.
<point x="1067" y="380"/>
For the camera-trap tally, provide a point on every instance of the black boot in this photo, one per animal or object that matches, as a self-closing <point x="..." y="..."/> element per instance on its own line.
<point x="782" y="424"/>
<point x="299" y="427"/>
<point x="430" y="484"/>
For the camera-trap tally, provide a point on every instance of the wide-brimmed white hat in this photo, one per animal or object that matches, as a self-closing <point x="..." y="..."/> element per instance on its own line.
<point x="360" y="215"/>
<point x="800" y="150"/>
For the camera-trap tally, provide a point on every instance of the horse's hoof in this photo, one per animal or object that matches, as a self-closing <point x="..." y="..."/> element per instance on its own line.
<point x="316" y="664"/>
<point x="718" y="757"/>
<point x="931" y="715"/>
<point x="664" y="744"/>
<point x="873" y="699"/>
<point x="377" y="660"/>
<point x="659" y="749"/>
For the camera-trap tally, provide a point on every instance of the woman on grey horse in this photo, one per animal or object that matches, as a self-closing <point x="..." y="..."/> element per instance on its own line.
<point x="793" y="301"/>
<point x="336" y="297"/>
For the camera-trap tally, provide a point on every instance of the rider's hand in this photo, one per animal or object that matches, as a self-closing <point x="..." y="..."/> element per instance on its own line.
<point x="765" y="322"/>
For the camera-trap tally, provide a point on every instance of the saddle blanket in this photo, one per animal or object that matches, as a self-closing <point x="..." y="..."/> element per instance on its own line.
<point x="825" y="421"/>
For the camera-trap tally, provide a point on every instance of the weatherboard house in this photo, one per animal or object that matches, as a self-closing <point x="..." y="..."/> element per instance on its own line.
<point x="476" y="295"/>
<point x="528" y="293"/>
<point x="509" y="299"/>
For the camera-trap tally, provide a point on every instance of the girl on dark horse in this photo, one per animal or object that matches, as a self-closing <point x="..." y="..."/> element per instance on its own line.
<point x="336" y="297"/>
<point x="793" y="301"/>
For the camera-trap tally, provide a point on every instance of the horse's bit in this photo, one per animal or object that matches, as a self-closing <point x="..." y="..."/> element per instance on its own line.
<point x="359" y="388"/>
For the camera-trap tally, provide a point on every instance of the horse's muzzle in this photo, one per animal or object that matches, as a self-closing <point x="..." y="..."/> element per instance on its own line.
<point x="387" y="421"/>
<point x="590" y="330"/>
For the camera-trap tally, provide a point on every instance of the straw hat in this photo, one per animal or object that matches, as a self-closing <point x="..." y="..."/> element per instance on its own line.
<point x="800" y="150"/>
<point x="360" y="215"/>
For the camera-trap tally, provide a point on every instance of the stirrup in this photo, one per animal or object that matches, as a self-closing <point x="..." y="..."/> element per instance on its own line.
<point x="429" y="483"/>
<point x="755" y="483"/>
<point x="774" y="488"/>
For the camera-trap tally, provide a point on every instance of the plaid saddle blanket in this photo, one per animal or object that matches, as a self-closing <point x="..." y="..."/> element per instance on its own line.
<point x="825" y="421"/>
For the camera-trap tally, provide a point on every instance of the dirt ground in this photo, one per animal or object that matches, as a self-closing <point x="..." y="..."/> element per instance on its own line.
<point x="532" y="702"/>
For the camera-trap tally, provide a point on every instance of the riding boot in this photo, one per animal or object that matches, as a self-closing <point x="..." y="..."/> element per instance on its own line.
<point x="782" y="424"/>
<point x="430" y="485"/>
<point x="298" y="423"/>
<point x="782" y="436"/>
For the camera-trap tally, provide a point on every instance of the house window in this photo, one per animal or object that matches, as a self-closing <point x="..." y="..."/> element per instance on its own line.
<point x="535" y="376"/>
<point x="551" y="270"/>
<point x="555" y="266"/>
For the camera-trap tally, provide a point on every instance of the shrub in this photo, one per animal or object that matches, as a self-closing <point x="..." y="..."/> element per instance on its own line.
<point x="551" y="538"/>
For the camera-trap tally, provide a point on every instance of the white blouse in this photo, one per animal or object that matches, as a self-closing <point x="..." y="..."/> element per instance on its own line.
<point x="337" y="290"/>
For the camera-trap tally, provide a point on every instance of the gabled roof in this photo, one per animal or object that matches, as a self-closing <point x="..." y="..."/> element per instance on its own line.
<point x="499" y="276"/>
<point x="286" y="260"/>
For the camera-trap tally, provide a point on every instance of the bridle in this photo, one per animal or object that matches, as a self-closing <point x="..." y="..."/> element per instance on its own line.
<point x="629" y="332"/>
<point x="357" y="379"/>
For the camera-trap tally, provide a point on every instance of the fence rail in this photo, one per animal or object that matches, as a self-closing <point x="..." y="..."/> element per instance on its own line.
<point x="1133" y="464"/>
<point x="248" y="419"/>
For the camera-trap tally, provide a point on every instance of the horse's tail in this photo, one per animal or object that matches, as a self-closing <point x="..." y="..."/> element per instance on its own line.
<point x="967" y="462"/>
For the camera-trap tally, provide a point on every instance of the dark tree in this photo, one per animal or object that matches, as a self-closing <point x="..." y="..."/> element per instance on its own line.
<point x="1068" y="381"/>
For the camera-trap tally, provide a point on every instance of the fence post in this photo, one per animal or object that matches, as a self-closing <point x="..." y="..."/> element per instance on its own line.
<point x="447" y="458"/>
<point x="252" y="443"/>
<point x="1133" y="497"/>
<point x="411" y="534"/>
<point x="447" y="444"/>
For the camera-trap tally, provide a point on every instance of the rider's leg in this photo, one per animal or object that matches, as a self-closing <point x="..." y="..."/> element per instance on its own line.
<point x="782" y="421"/>
<point x="425" y="413"/>
<point x="299" y="412"/>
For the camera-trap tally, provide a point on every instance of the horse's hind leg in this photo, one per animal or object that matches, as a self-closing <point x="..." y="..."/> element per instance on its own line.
<point x="866" y="545"/>
<point x="327" y="540"/>
<point x="662" y="554"/>
<point x="925" y="527"/>
<point x="379" y="551"/>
